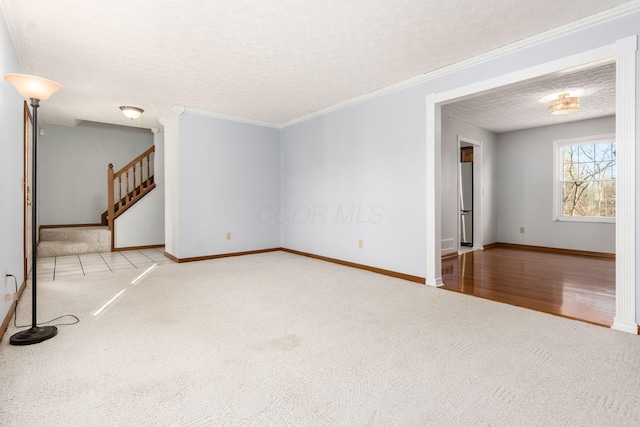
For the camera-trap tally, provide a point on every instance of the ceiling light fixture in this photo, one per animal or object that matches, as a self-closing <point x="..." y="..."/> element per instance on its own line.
<point x="131" y="112"/>
<point x="564" y="104"/>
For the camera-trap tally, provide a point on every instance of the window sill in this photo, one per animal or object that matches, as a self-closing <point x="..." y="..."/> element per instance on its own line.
<point x="583" y="219"/>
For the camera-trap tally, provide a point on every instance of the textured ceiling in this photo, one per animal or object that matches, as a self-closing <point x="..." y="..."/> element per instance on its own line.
<point x="527" y="105"/>
<point x="272" y="61"/>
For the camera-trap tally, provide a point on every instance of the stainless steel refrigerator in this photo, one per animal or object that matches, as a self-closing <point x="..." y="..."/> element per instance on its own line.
<point x="466" y="204"/>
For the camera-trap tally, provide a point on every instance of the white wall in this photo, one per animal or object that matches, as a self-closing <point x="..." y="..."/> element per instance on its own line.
<point x="11" y="173"/>
<point x="373" y="154"/>
<point x="525" y="190"/>
<point x="72" y="168"/>
<point x="172" y="186"/>
<point x="143" y="223"/>
<point x="228" y="174"/>
<point x="358" y="174"/>
<point x="451" y="129"/>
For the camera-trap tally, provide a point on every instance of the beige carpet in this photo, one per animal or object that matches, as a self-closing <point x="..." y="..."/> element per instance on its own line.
<point x="278" y="339"/>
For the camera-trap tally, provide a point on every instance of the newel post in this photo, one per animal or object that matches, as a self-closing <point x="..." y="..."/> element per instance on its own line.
<point x="110" y="196"/>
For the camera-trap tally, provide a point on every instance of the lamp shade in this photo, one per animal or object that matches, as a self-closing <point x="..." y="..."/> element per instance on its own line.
<point x="131" y="112"/>
<point x="32" y="86"/>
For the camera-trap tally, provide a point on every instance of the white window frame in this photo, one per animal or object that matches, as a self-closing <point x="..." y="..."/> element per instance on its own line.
<point x="557" y="175"/>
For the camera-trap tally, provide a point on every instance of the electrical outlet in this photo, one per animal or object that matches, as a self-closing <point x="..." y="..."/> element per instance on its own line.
<point x="228" y="236"/>
<point x="360" y="243"/>
<point x="6" y="277"/>
<point x="522" y="230"/>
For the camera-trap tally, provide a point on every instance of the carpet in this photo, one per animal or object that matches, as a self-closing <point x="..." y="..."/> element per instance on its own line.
<point x="280" y="339"/>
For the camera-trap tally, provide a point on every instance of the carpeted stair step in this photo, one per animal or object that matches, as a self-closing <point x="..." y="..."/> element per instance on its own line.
<point x="74" y="241"/>
<point x="62" y="248"/>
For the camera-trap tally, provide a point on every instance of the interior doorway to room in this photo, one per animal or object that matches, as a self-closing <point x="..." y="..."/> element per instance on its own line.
<point x="621" y="53"/>
<point x="529" y="200"/>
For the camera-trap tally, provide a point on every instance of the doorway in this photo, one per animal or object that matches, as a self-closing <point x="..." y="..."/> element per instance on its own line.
<point x="465" y="190"/>
<point x="623" y="52"/>
<point x="470" y="235"/>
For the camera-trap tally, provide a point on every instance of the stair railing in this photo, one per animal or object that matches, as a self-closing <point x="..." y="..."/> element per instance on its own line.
<point x="128" y="185"/>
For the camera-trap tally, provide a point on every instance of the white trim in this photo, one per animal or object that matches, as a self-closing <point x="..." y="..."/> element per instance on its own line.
<point x="13" y="25"/>
<point x="433" y="275"/>
<point x="176" y="110"/>
<point x="557" y="174"/>
<point x="590" y="21"/>
<point x="231" y="118"/>
<point x="624" y="51"/>
<point x="604" y="53"/>
<point x="585" y="139"/>
<point x="625" y="319"/>
<point x="179" y="109"/>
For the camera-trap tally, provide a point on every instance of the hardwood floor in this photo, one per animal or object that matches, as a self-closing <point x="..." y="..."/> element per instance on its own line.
<point x="574" y="286"/>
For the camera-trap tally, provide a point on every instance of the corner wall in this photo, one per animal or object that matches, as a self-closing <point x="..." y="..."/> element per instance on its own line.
<point x="72" y="168"/>
<point x="143" y="223"/>
<point x="11" y="173"/>
<point x="227" y="176"/>
<point x="451" y="129"/>
<point x="358" y="174"/>
<point x="525" y="186"/>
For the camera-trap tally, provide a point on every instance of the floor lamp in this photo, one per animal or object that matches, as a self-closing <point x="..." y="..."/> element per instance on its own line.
<point x="36" y="89"/>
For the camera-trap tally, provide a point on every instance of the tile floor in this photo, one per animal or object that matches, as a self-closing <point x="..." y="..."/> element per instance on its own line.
<point x="57" y="268"/>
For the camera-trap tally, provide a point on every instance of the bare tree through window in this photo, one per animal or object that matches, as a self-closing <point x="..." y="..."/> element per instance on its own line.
<point x="588" y="179"/>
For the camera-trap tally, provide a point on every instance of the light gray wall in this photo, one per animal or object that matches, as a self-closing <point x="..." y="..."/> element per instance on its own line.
<point x="72" y="168"/>
<point x="143" y="223"/>
<point x="11" y="172"/>
<point x="358" y="174"/>
<point x="172" y="186"/>
<point x="451" y="129"/>
<point x="525" y="189"/>
<point x="228" y="173"/>
<point x="373" y="154"/>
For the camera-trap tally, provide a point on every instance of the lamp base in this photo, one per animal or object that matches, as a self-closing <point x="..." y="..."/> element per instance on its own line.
<point x="33" y="335"/>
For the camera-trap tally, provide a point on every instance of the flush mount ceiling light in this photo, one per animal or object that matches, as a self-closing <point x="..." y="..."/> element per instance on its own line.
<point x="564" y="104"/>
<point x="131" y="112"/>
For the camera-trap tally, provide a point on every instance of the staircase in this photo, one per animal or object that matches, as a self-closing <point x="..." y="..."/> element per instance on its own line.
<point x="131" y="183"/>
<point x="125" y="187"/>
<point x="74" y="241"/>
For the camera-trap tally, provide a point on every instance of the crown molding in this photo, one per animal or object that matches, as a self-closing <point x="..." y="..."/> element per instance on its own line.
<point x="176" y="110"/>
<point x="11" y="18"/>
<point x="573" y="27"/>
<point x="231" y="118"/>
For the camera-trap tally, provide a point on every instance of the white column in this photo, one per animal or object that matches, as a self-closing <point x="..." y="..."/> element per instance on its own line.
<point x="625" y="319"/>
<point x="434" y="253"/>
<point x="171" y="123"/>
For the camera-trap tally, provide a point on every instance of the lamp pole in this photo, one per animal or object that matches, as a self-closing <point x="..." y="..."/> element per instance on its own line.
<point x="36" y="89"/>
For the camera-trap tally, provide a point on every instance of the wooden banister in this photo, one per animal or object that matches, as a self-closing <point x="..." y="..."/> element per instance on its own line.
<point x="136" y="160"/>
<point x="136" y="181"/>
<point x="110" y="197"/>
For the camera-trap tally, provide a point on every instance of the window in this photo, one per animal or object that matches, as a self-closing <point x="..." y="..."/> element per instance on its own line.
<point x="585" y="179"/>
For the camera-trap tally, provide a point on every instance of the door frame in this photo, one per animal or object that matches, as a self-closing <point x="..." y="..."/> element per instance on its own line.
<point x="623" y="52"/>
<point x="26" y="204"/>
<point x="477" y="191"/>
